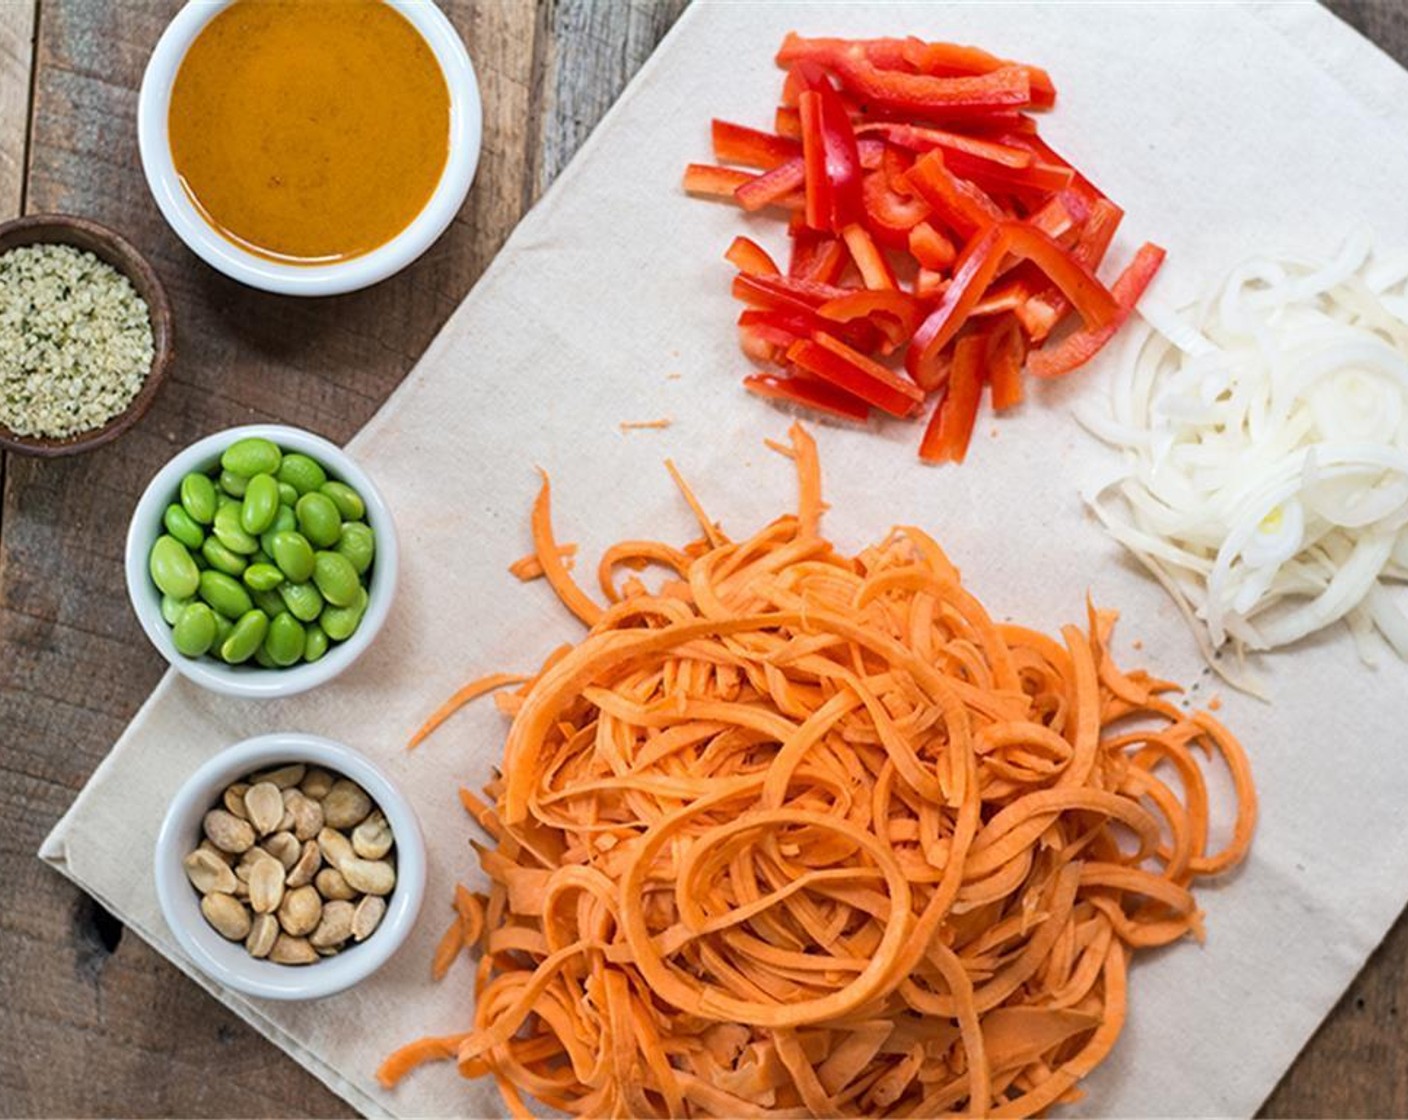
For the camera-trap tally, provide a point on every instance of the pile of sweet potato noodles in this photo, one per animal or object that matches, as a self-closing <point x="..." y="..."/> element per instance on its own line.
<point x="804" y="834"/>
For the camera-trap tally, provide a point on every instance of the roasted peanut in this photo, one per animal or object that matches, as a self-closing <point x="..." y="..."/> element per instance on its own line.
<point x="307" y="814"/>
<point x="309" y="860"/>
<point x="332" y="886"/>
<point x="208" y="873"/>
<point x="234" y="800"/>
<point x="292" y="950"/>
<point x="227" y="832"/>
<point x="266" y="886"/>
<point x="281" y="776"/>
<point x="346" y="805"/>
<point x="372" y="838"/>
<point x="263" y="932"/>
<point x="227" y="914"/>
<point x="336" y="847"/>
<point x="334" y="927"/>
<point x="367" y="916"/>
<point x="368" y="875"/>
<point x="265" y="806"/>
<point x="284" y="847"/>
<point x="300" y="911"/>
<point x="316" y="783"/>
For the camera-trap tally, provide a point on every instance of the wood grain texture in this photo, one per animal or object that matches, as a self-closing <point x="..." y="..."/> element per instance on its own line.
<point x="95" y="1022"/>
<point x="16" y="56"/>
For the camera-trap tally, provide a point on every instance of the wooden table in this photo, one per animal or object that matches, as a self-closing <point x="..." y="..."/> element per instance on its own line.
<point x="94" y="1022"/>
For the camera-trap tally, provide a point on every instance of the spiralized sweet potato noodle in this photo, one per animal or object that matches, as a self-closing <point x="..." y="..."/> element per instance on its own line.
<point x="802" y="834"/>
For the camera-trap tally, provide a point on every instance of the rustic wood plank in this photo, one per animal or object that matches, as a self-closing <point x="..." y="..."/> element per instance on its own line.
<point x="100" y="1025"/>
<point x="592" y="50"/>
<point x="16" y="57"/>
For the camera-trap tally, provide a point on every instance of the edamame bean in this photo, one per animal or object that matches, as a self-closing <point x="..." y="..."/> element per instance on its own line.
<point x="302" y="473"/>
<point x="294" y="555"/>
<point x="251" y="456"/>
<point x="182" y="525"/>
<point x="348" y="502"/>
<point x="224" y="594"/>
<point x="263" y="577"/>
<point x="261" y="504"/>
<point x="267" y="601"/>
<point x="195" y="631"/>
<point x="315" y="643"/>
<point x="285" y="639"/>
<point x="262" y="658"/>
<point x="319" y="520"/>
<point x="231" y="532"/>
<point x="223" y="626"/>
<point x="336" y="578"/>
<point x="341" y="622"/>
<point x="233" y="485"/>
<point x="198" y="497"/>
<point x="246" y="638"/>
<point x="288" y="496"/>
<point x="284" y="522"/>
<point x="172" y="569"/>
<point x="303" y="600"/>
<point x="171" y="608"/>
<point x="221" y="558"/>
<point x="358" y="544"/>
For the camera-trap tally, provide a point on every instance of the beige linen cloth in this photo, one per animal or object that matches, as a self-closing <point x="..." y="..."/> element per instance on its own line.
<point x="1222" y="129"/>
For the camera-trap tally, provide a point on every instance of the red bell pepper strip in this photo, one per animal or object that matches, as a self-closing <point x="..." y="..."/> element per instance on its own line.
<point x="833" y="361"/>
<point x="1041" y="313"/>
<point x="894" y="313"/>
<point x="951" y="426"/>
<point x="748" y="256"/>
<point x="809" y="293"/>
<point x="870" y="261"/>
<point x="890" y="215"/>
<point x="771" y="187"/>
<point x="764" y="346"/>
<point x="788" y="122"/>
<point x="930" y="284"/>
<point x="950" y="58"/>
<point x="930" y="248"/>
<point x="736" y="143"/>
<point x="939" y="59"/>
<point x="1076" y="349"/>
<point x="919" y="139"/>
<point x="818" y="257"/>
<point x="820" y="206"/>
<point x="961" y="205"/>
<point x="810" y="393"/>
<point x="830" y="151"/>
<point x="1006" y="354"/>
<point x="994" y="176"/>
<point x="714" y="182"/>
<point x="861" y="334"/>
<point x="974" y="272"/>
<point x="1004" y="86"/>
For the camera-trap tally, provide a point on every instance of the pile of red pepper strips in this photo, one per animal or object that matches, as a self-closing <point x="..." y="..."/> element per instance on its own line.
<point x="928" y="222"/>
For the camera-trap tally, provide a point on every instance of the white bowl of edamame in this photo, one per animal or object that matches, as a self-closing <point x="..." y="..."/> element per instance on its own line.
<point x="261" y="561"/>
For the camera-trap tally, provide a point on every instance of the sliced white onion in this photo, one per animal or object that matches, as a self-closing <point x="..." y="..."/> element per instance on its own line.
<point x="1266" y="436"/>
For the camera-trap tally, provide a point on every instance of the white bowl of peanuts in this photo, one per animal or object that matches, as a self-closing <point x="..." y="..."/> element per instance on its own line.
<point x="289" y="867"/>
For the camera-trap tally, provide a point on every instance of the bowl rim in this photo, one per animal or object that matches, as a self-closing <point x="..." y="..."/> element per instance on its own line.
<point x="462" y="160"/>
<point x="256" y="682"/>
<point x="116" y="251"/>
<point x="227" y="962"/>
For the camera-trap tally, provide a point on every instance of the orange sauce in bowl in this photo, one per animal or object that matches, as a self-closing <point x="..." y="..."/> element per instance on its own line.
<point x="309" y="131"/>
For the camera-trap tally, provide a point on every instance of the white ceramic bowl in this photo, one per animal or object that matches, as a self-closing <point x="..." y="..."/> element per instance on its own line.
<point x="466" y="126"/>
<point x="227" y="962"/>
<point x="253" y="680"/>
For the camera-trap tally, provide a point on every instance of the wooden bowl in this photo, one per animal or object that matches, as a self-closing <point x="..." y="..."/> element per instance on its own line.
<point x="103" y="243"/>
